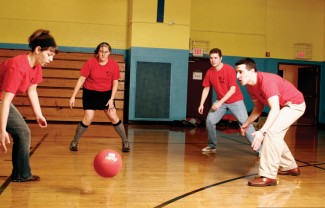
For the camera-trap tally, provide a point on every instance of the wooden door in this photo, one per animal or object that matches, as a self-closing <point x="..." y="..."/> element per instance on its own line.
<point x="196" y="72"/>
<point x="308" y="81"/>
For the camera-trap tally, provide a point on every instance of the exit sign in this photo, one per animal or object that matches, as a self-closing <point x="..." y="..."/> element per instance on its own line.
<point x="301" y="54"/>
<point x="198" y="52"/>
<point x="303" y="51"/>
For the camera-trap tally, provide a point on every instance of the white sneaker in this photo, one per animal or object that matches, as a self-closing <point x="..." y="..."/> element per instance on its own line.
<point x="209" y="149"/>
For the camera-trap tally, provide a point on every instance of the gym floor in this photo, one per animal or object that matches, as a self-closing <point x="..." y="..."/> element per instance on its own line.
<point x="165" y="168"/>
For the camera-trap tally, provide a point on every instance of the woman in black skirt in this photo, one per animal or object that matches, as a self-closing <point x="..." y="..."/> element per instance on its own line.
<point x="99" y="79"/>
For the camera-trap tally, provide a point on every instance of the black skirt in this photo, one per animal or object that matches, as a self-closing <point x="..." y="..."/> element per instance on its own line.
<point x="95" y="100"/>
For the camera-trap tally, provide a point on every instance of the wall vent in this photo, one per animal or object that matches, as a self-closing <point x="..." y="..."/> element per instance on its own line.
<point x="152" y="90"/>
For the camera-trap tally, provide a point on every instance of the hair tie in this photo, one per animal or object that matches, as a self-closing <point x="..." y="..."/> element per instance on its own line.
<point x="43" y="43"/>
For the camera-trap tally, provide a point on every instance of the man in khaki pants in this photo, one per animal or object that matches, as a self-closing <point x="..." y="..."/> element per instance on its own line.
<point x="286" y="105"/>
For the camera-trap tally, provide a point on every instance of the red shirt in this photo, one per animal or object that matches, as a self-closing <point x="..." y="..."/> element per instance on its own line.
<point x="269" y="85"/>
<point x="16" y="75"/>
<point x="100" y="77"/>
<point x="221" y="81"/>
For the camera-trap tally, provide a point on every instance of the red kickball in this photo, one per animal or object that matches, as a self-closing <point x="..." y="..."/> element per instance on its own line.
<point x="107" y="163"/>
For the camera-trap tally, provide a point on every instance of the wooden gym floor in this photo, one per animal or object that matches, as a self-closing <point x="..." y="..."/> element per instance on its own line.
<point x="165" y="168"/>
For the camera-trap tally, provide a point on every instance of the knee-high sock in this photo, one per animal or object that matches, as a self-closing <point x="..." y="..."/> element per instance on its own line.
<point x="119" y="128"/>
<point x="81" y="128"/>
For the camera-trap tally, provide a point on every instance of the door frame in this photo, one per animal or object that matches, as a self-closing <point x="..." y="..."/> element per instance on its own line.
<point x="295" y="67"/>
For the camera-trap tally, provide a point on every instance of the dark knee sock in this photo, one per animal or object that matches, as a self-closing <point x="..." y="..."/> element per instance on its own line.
<point x="81" y="128"/>
<point x="119" y="128"/>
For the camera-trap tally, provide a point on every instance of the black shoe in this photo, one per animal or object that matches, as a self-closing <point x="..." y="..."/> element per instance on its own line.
<point x="125" y="147"/>
<point x="74" y="146"/>
<point x="31" y="179"/>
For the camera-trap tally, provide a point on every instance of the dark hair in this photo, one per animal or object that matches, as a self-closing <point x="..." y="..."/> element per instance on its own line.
<point x="216" y="50"/>
<point x="250" y="63"/>
<point x="42" y="38"/>
<point x="101" y="45"/>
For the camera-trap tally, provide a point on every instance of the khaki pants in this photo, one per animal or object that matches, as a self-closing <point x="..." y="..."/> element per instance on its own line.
<point x="275" y="152"/>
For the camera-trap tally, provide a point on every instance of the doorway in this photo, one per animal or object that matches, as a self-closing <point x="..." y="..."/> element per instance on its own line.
<point x="306" y="79"/>
<point x="196" y="71"/>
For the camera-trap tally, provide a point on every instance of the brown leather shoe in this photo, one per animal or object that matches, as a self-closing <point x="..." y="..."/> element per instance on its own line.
<point x="293" y="172"/>
<point x="262" y="181"/>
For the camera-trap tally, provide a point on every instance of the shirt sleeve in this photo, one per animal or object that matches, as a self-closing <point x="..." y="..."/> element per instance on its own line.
<point x="116" y="75"/>
<point x="38" y="76"/>
<point x="251" y="92"/>
<point x="12" y="80"/>
<point x="206" y="81"/>
<point x="85" y="70"/>
<point x="232" y="79"/>
<point x="270" y="88"/>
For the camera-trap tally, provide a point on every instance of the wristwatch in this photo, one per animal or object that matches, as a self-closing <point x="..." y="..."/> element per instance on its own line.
<point x="263" y="133"/>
